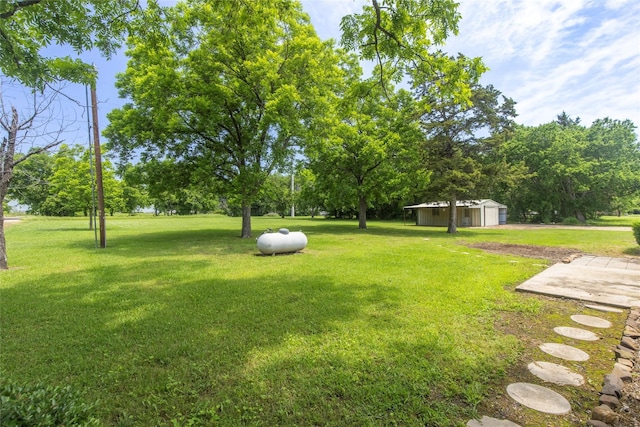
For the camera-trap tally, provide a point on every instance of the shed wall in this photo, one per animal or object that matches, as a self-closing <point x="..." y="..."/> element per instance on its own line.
<point x="467" y="217"/>
<point x="491" y="216"/>
<point x="439" y="217"/>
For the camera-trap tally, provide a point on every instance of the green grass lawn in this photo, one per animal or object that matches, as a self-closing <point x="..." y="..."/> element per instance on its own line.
<point x="180" y="322"/>
<point x="624" y="220"/>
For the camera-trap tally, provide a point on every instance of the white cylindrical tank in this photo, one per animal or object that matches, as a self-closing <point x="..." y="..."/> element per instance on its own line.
<point x="283" y="241"/>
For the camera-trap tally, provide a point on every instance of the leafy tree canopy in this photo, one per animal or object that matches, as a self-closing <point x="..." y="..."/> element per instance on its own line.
<point x="461" y="141"/>
<point x="402" y="37"/>
<point x="30" y="182"/>
<point x="29" y="26"/>
<point x="225" y="86"/>
<point x="360" y="157"/>
<point x="573" y="170"/>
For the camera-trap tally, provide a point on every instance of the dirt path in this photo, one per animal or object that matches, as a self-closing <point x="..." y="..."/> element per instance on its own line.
<point x="555" y="254"/>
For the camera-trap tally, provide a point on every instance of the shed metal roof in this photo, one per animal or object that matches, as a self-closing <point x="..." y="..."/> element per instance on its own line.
<point x="471" y="204"/>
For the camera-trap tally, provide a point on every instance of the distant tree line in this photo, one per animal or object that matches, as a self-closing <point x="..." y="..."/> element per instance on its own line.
<point x="548" y="173"/>
<point x="571" y="171"/>
<point x="226" y="101"/>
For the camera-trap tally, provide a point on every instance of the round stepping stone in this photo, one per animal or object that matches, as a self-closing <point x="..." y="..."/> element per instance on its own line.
<point x="554" y="373"/>
<point x="491" y="422"/>
<point x="576" y="333"/>
<point x="593" y="321"/>
<point x="563" y="351"/>
<point x="539" y="398"/>
<point x="604" y="308"/>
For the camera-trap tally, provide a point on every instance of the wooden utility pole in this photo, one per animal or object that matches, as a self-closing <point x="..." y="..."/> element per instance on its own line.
<point x="293" y="188"/>
<point x="96" y="146"/>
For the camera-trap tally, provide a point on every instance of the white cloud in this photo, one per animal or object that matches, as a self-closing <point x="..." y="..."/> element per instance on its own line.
<point x="580" y="56"/>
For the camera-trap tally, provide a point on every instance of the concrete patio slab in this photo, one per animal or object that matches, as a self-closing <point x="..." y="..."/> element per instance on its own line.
<point x="603" y="308"/>
<point x="601" y="280"/>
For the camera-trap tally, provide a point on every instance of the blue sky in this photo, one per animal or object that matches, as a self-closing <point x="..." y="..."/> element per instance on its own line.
<point x="578" y="56"/>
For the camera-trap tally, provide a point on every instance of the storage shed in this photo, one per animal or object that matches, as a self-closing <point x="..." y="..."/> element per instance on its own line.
<point x="470" y="213"/>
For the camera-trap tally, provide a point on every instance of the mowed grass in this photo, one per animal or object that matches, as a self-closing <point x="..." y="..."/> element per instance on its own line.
<point x="180" y="322"/>
<point x="624" y="220"/>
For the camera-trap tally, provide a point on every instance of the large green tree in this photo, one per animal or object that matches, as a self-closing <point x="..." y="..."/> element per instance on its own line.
<point x="231" y="86"/>
<point x="614" y="149"/>
<point x="460" y="141"/>
<point x="404" y="38"/>
<point x="70" y="189"/>
<point x="360" y="156"/>
<point x="30" y="182"/>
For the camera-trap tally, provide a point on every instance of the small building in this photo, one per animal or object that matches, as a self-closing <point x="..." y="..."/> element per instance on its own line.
<point x="470" y="213"/>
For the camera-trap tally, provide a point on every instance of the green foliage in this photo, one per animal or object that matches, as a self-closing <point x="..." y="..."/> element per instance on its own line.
<point x="574" y="171"/>
<point x="310" y="199"/>
<point x="59" y="184"/>
<point x="69" y="189"/>
<point x="399" y="35"/>
<point x="30" y="182"/>
<point x="571" y="221"/>
<point x="363" y="156"/>
<point x="226" y="91"/>
<point x="171" y="187"/>
<point x="276" y="196"/>
<point x="27" y="27"/>
<point x="636" y="231"/>
<point x="462" y="142"/>
<point x="42" y="405"/>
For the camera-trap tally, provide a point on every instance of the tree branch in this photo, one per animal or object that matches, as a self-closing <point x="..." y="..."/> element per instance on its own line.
<point x="18" y="5"/>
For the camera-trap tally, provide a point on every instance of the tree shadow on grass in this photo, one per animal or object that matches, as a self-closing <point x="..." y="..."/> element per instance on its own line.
<point x="633" y="251"/>
<point x="226" y="242"/>
<point x="153" y="349"/>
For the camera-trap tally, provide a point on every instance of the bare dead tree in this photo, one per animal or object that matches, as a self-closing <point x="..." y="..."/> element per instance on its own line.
<point x="29" y="127"/>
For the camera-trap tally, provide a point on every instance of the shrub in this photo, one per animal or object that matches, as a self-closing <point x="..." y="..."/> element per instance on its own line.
<point x="571" y="221"/>
<point x="41" y="405"/>
<point x="636" y="231"/>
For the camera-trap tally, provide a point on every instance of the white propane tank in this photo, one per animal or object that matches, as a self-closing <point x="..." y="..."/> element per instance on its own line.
<point x="270" y="243"/>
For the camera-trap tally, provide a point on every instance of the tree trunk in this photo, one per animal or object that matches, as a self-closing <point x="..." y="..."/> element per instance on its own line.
<point x="580" y="216"/>
<point x="4" y="265"/>
<point x="6" y="173"/>
<point x="453" y="216"/>
<point x="362" y="213"/>
<point x="246" y="221"/>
